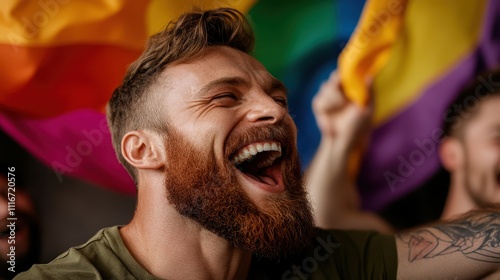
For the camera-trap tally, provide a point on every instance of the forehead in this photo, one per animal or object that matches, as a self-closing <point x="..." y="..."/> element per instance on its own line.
<point x="187" y="78"/>
<point x="488" y="110"/>
<point x="487" y="116"/>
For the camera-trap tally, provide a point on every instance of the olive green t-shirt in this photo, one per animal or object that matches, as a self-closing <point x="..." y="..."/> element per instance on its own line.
<point x="333" y="254"/>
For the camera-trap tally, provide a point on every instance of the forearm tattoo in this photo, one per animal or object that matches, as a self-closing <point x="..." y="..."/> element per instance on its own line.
<point x="477" y="236"/>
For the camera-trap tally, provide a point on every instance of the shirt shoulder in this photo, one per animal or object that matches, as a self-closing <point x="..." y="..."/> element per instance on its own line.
<point x="337" y="254"/>
<point x="104" y="256"/>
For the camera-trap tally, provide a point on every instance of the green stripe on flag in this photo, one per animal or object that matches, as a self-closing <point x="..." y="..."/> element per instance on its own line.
<point x="286" y="31"/>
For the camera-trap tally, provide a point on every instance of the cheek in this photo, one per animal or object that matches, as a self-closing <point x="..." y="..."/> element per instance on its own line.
<point x="201" y="135"/>
<point x="482" y="160"/>
<point x="486" y="156"/>
<point x="210" y="141"/>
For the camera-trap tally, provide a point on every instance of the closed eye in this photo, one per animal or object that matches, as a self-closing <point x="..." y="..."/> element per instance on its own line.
<point x="282" y="101"/>
<point x="226" y="95"/>
<point x="227" y="99"/>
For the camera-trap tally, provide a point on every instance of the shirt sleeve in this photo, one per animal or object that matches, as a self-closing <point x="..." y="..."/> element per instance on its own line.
<point x="360" y="254"/>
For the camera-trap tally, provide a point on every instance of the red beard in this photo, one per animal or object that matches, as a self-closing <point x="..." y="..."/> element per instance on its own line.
<point x="206" y="191"/>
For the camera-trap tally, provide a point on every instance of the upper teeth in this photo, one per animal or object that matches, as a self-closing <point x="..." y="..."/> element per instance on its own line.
<point x="251" y="150"/>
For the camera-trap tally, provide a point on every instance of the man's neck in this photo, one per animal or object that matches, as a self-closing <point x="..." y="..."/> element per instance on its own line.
<point x="170" y="246"/>
<point x="458" y="200"/>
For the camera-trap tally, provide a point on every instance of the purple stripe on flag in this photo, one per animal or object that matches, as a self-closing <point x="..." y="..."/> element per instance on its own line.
<point x="490" y="44"/>
<point x="404" y="150"/>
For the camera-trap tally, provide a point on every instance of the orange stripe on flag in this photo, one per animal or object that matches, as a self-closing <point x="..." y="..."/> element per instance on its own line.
<point x="44" y="82"/>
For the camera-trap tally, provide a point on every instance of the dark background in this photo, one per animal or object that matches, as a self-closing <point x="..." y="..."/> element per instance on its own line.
<point x="69" y="212"/>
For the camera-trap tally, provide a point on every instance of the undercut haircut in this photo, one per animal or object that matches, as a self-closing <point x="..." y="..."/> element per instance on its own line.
<point x="466" y="105"/>
<point x="130" y="107"/>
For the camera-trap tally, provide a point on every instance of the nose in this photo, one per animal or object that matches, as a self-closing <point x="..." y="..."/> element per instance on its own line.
<point x="263" y="108"/>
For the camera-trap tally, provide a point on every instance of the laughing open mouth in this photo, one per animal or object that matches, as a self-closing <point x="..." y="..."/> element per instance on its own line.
<point x="261" y="162"/>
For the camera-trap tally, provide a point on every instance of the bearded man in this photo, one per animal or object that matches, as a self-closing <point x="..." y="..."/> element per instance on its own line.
<point x="204" y="130"/>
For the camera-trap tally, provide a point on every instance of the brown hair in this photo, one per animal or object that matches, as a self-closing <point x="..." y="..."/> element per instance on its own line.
<point x="465" y="105"/>
<point x="182" y="40"/>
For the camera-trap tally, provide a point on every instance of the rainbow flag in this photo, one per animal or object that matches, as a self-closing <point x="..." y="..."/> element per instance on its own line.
<point x="62" y="60"/>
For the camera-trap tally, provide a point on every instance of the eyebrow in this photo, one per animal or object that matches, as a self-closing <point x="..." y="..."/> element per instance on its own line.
<point x="271" y="86"/>
<point x="229" y="81"/>
<point x="276" y="85"/>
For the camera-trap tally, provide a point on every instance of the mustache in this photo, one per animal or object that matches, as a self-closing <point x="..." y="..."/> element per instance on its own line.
<point x="277" y="132"/>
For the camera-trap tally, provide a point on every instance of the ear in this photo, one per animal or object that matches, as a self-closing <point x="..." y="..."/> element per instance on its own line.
<point x="143" y="149"/>
<point x="451" y="153"/>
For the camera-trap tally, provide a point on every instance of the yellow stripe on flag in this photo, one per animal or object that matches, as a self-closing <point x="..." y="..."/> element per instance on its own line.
<point x="436" y="35"/>
<point x="369" y="47"/>
<point x="62" y="22"/>
<point x="402" y="46"/>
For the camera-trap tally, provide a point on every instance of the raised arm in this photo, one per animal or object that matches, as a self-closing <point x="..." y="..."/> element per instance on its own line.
<point x="464" y="248"/>
<point x="332" y="190"/>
